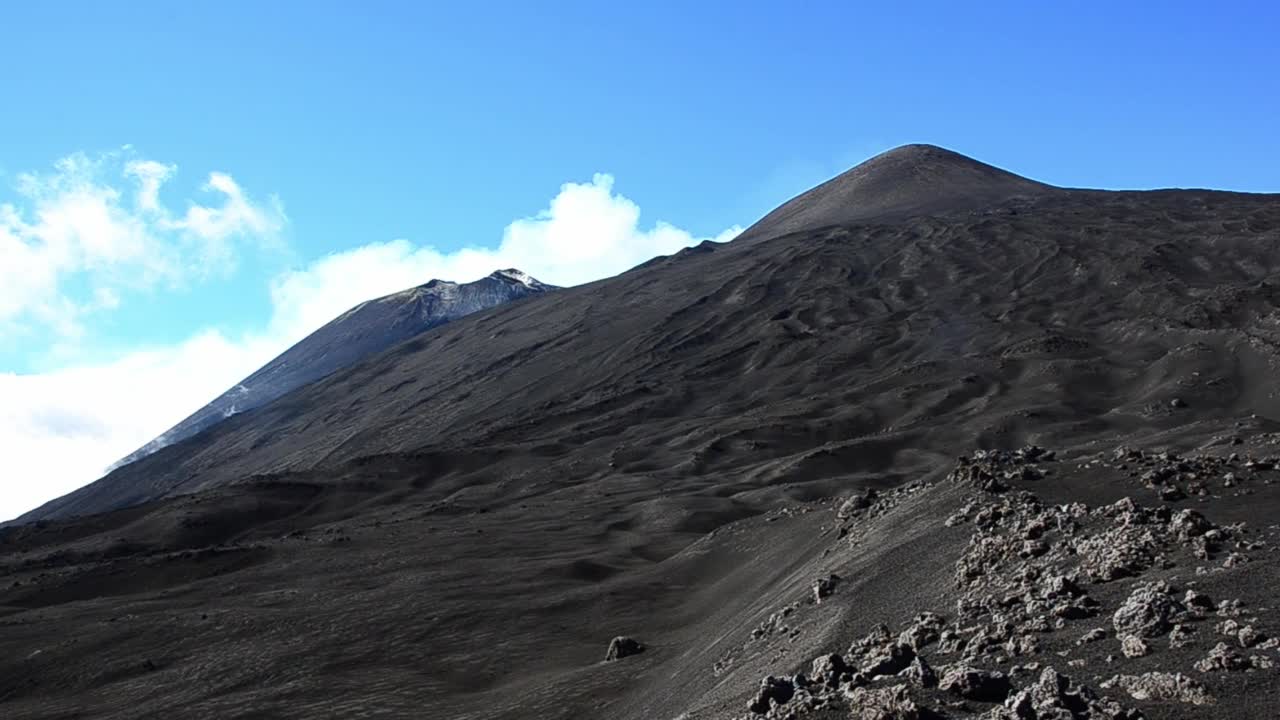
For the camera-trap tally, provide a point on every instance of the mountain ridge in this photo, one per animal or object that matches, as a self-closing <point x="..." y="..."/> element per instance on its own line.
<point x="916" y="205"/>
<point x="367" y="328"/>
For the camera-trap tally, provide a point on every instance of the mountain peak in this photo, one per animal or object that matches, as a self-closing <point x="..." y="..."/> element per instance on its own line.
<point x="907" y="167"/>
<point x="917" y="179"/>
<point x="922" y="151"/>
<point x="517" y="276"/>
<point x="923" y="156"/>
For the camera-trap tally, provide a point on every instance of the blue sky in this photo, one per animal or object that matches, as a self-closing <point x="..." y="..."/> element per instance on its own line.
<point x="313" y="154"/>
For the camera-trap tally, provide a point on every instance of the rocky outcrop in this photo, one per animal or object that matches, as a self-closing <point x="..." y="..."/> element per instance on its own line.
<point x="773" y="691"/>
<point x="890" y="703"/>
<point x="1161" y="686"/>
<point x="623" y="646"/>
<point x="1054" y="697"/>
<point x="1224" y="659"/>
<point x="975" y="684"/>
<point x="1148" y="612"/>
<point x="1027" y="575"/>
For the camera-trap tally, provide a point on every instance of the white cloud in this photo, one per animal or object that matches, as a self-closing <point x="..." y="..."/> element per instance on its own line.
<point x="238" y="216"/>
<point x="97" y="224"/>
<point x="150" y="176"/>
<point x="61" y="429"/>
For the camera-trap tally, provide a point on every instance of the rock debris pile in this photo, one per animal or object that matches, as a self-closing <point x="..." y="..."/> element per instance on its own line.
<point x="1030" y="576"/>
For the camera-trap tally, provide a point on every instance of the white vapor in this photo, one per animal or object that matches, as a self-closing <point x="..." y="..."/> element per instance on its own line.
<point x="61" y="429"/>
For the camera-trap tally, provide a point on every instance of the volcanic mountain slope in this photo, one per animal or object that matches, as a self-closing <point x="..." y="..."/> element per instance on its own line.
<point x="364" y="330"/>
<point x="458" y="526"/>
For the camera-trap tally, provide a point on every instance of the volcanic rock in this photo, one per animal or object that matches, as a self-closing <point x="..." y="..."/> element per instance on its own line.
<point x="623" y="646"/>
<point x="974" y="684"/>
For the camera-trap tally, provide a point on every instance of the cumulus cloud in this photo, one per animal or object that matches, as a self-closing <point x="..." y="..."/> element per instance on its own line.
<point x="94" y="228"/>
<point x="61" y="429"/>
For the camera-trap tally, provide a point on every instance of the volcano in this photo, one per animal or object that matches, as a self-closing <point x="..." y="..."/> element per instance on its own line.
<point x="929" y="440"/>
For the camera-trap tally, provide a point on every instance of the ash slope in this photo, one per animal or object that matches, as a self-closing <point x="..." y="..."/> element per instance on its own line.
<point x="911" y="180"/>
<point x="462" y="522"/>
<point x="362" y="331"/>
